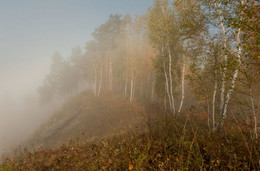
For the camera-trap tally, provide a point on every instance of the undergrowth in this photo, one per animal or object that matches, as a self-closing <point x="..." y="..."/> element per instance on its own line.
<point x="161" y="143"/>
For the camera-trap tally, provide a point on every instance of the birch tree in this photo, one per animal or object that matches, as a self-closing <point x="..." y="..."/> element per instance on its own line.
<point x="191" y="23"/>
<point x="165" y="38"/>
<point x="223" y="112"/>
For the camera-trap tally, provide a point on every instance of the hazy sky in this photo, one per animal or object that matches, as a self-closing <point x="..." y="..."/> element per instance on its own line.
<point x="31" y="29"/>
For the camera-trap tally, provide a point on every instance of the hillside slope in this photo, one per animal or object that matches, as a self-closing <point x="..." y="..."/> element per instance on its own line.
<point x="157" y="141"/>
<point x="163" y="143"/>
<point x="87" y="116"/>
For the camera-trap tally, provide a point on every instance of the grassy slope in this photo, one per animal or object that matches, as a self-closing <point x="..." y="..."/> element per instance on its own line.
<point x="87" y="116"/>
<point x="162" y="143"/>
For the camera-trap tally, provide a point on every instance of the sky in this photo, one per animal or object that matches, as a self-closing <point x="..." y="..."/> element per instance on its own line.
<point x="31" y="31"/>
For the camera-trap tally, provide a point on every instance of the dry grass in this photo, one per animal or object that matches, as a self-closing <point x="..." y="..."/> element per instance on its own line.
<point x="161" y="142"/>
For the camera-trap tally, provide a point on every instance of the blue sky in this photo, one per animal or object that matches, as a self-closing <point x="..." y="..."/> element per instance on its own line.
<point x="35" y="29"/>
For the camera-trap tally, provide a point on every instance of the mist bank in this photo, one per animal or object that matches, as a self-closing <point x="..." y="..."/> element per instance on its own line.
<point x="20" y="111"/>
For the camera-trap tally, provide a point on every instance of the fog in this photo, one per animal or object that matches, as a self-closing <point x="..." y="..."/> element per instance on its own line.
<point x="20" y="112"/>
<point x="30" y="33"/>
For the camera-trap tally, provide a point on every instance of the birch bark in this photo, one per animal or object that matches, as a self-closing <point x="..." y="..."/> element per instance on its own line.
<point x="223" y="78"/>
<point x="95" y="82"/>
<point x="254" y="113"/>
<point x="100" y="82"/>
<point x="213" y="100"/>
<point x="110" y="74"/>
<point x="170" y="79"/>
<point x="182" y="84"/>
<point x="223" y="113"/>
<point x="132" y="87"/>
<point x="167" y="87"/>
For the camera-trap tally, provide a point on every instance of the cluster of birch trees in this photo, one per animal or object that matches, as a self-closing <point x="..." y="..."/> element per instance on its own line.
<point x="207" y="47"/>
<point x="218" y="40"/>
<point x="118" y="60"/>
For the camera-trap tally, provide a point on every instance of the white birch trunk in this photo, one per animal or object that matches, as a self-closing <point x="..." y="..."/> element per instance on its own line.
<point x="106" y="73"/>
<point x="162" y="3"/>
<point x="126" y="81"/>
<point x="141" y="87"/>
<point x="254" y="113"/>
<point x="110" y="74"/>
<point x="167" y="87"/>
<point x="132" y="87"/>
<point x="223" y="79"/>
<point x="170" y="79"/>
<point x="127" y="73"/>
<point x="223" y="114"/>
<point x="153" y="89"/>
<point x="95" y="82"/>
<point x="213" y="101"/>
<point x="208" y="110"/>
<point x="182" y="84"/>
<point x="172" y="105"/>
<point x="100" y="82"/>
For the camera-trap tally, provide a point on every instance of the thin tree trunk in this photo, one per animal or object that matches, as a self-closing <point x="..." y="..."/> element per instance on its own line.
<point x="172" y="106"/>
<point x="208" y="110"/>
<point x="147" y="87"/>
<point x="127" y="73"/>
<point x="106" y="73"/>
<point x="100" y="82"/>
<point x="167" y="87"/>
<point x="95" y="83"/>
<point x="132" y="87"/>
<point x="134" y="84"/>
<point x="162" y="3"/>
<point x="152" y="93"/>
<point x="213" y="101"/>
<point x="223" y="79"/>
<point x="120" y="84"/>
<point x="170" y="79"/>
<point x="182" y="84"/>
<point x="126" y="81"/>
<point x="223" y="114"/>
<point x="254" y="113"/>
<point x="166" y="93"/>
<point x="110" y="74"/>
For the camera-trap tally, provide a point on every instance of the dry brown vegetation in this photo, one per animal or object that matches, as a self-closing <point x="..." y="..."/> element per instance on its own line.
<point x="87" y="116"/>
<point x="159" y="142"/>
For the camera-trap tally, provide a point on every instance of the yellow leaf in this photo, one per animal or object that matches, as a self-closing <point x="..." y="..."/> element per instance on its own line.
<point x="131" y="167"/>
